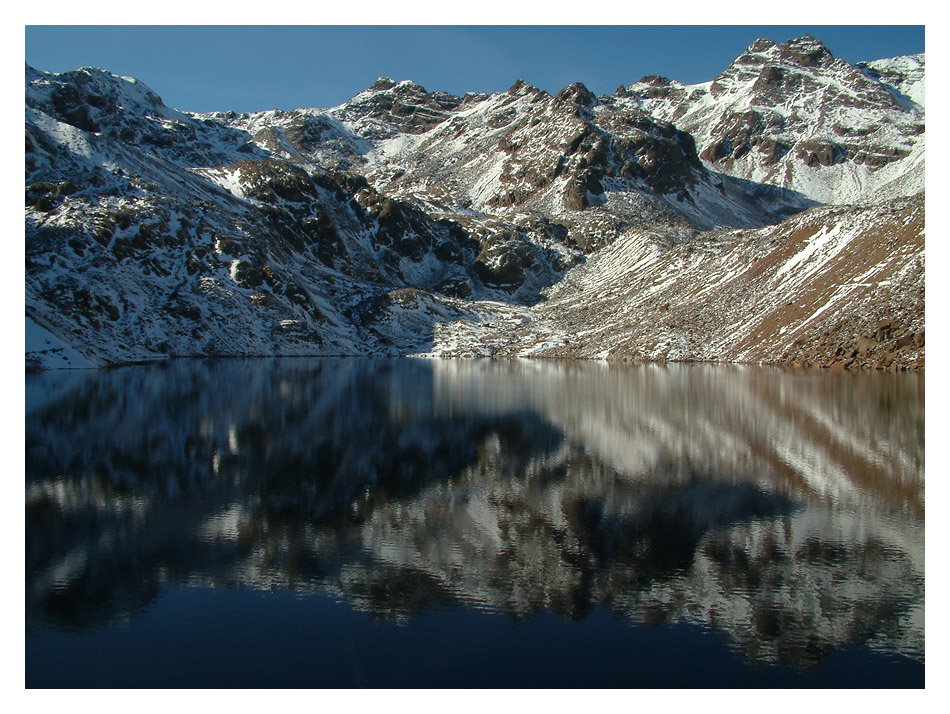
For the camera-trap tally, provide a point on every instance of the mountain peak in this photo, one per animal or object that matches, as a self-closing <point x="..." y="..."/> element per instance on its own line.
<point x="655" y="80"/>
<point x="383" y="83"/>
<point x="578" y="94"/>
<point x="806" y="51"/>
<point x="522" y="87"/>
<point x="761" y="45"/>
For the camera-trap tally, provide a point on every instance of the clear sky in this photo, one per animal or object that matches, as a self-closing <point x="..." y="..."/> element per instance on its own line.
<point x="256" y="68"/>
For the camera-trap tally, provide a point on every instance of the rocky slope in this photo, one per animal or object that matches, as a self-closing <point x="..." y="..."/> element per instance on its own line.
<point x="794" y="116"/>
<point x="413" y="222"/>
<point x="832" y="287"/>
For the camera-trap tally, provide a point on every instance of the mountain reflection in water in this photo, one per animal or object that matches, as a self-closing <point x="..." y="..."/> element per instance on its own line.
<point x="785" y="510"/>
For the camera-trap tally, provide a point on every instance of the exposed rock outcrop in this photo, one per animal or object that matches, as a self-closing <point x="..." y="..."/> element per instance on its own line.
<point x="154" y="232"/>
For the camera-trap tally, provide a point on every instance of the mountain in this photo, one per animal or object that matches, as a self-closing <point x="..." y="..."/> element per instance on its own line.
<point x="832" y="287"/>
<point x="793" y="115"/>
<point x="406" y="221"/>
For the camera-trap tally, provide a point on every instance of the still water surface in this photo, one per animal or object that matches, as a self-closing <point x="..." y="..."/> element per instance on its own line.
<point x="409" y="523"/>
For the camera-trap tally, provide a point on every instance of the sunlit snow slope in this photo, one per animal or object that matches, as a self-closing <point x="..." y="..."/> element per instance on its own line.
<point x="662" y="222"/>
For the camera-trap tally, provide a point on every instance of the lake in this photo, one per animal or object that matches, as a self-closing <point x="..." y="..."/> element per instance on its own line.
<point x="415" y="523"/>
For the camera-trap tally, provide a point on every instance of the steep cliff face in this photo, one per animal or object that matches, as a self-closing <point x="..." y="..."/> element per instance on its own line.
<point x="405" y="221"/>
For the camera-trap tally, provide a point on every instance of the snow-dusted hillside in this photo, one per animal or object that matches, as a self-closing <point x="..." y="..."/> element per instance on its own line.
<point x="904" y="76"/>
<point x="794" y="116"/>
<point x="830" y="286"/>
<point x="407" y="221"/>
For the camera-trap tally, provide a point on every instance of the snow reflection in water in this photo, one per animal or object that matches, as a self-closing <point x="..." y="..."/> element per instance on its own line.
<point x="785" y="510"/>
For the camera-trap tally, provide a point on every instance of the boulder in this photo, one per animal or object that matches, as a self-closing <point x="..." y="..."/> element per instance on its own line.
<point x="904" y="341"/>
<point x="864" y="345"/>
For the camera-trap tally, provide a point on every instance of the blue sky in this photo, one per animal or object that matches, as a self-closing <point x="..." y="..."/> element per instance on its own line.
<point x="256" y="68"/>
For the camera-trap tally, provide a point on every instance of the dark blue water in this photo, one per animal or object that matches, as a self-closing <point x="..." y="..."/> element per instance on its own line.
<point x="356" y="523"/>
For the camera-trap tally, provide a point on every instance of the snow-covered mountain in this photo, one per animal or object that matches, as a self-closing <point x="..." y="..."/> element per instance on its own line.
<point x="794" y="116"/>
<point x="407" y="221"/>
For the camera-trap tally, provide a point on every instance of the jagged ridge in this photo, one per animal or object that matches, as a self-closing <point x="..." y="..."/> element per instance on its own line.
<point x="404" y="220"/>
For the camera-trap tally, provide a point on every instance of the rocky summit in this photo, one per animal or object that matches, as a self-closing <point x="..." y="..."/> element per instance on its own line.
<point x="773" y="215"/>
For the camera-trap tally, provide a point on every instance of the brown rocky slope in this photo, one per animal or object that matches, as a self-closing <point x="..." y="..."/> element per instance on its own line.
<point x="835" y="287"/>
